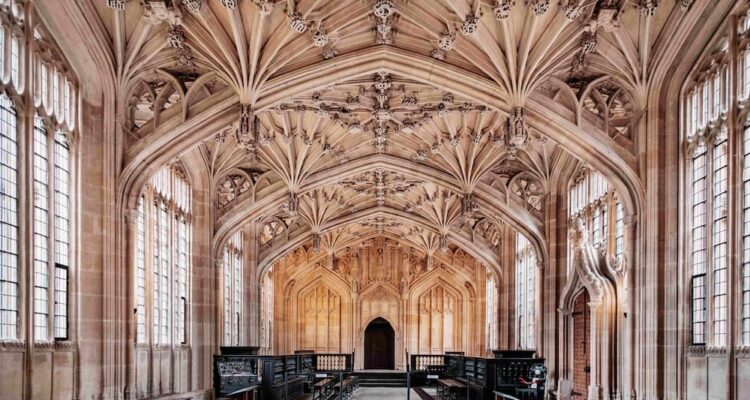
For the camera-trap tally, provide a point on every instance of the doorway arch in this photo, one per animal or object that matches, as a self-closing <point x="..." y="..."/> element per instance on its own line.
<point x="380" y="345"/>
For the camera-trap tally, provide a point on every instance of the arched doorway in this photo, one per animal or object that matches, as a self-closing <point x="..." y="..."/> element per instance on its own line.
<point x="581" y="346"/>
<point x="380" y="345"/>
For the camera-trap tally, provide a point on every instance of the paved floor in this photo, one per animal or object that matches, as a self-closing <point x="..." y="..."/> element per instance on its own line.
<point x="368" y="393"/>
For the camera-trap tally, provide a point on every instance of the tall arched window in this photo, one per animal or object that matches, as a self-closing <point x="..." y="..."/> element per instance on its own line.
<point x="705" y="110"/>
<point x="525" y="292"/>
<point x="51" y="232"/>
<point x="162" y="279"/>
<point x="491" y="312"/>
<point x="9" y="241"/>
<point x="593" y="199"/>
<point x="266" y="313"/>
<point x="48" y="209"/>
<point x="232" y="290"/>
<point x="718" y="149"/>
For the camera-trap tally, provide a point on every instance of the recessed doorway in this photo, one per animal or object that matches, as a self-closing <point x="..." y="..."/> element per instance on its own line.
<point x="380" y="345"/>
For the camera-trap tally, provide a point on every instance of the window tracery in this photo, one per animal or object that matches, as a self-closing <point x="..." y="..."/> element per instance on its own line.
<point x="232" y="268"/>
<point x="526" y="264"/>
<point x="163" y="230"/>
<point x="706" y="103"/>
<point x="48" y="170"/>
<point x="594" y="200"/>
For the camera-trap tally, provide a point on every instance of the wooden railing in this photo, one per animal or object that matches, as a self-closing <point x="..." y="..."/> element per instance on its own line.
<point x="333" y="362"/>
<point x="419" y="362"/>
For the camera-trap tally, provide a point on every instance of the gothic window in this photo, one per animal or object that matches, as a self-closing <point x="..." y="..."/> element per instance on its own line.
<point x="9" y="274"/>
<point x="708" y="193"/>
<point x="162" y="228"/>
<point x="140" y="272"/>
<point x="525" y="292"/>
<point x="491" y="312"/>
<point x="266" y="314"/>
<point x="592" y="199"/>
<point x="233" y="291"/>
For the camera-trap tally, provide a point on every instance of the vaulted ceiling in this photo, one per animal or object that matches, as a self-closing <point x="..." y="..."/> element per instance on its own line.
<point x="432" y="122"/>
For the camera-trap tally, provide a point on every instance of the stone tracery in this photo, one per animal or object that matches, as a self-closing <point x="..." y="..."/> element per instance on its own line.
<point x="437" y="127"/>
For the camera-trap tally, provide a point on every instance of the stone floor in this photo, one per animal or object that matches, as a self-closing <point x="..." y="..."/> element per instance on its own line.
<point x="371" y="393"/>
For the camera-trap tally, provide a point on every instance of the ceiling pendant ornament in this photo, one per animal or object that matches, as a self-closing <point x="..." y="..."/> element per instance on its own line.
<point x="383" y="8"/>
<point x="443" y="244"/>
<point x="330" y="52"/>
<point x="648" y="7"/>
<point x="384" y="11"/>
<point x="538" y="7"/>
<point x="297" y="22"/>
<point x="157" y="12"/>
<point x="438" y="54"/>
<point x="229" y="4"/>
<point x="316" y="243"/>
<point x="447" y="40"/>
<point x="470" y="25"/>
<point x="193" y="6"/>
<point x="515" y="131"/>
<point x="469" y="206"/>
<point x="588" y="41"/>
<point x="319" y="38"/>
<point x="175" y="37"/>
<point x="118" y="5"/>
<point x="291" y="207"/>
<point x="248" y="133"/>
<point x="685" y="4"/>
<point x="265" y="6"/>
<point x="502" y="9"/>
<point x="573" y="9"/>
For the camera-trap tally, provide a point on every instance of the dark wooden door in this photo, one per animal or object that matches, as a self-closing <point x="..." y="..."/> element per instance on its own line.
<point x="581" y="346"/>
<point x="380" y="345"/>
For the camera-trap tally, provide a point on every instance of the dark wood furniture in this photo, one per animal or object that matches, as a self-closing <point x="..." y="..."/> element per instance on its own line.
<point x="510" y="367"/>
<point x="235" y="375"/>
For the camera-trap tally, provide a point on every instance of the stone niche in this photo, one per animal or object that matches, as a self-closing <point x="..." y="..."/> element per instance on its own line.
<point x="324" y="302"/>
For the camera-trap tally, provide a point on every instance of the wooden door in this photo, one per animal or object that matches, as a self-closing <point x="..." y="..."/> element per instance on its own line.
<point x="380" y="345"/>
<point x="581" y="346"/>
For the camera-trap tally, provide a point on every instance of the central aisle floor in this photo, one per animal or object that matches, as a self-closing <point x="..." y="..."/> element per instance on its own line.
<point x="375" y="393"/>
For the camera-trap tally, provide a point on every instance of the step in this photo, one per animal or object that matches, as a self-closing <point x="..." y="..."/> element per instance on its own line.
<point x="381" y="378"/>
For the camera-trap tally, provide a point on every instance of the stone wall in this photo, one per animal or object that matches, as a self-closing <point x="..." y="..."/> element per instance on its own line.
<point x="325" y="302"/>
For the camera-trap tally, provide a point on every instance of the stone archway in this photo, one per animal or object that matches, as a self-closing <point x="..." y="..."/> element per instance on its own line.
<point x="380" y="345"/>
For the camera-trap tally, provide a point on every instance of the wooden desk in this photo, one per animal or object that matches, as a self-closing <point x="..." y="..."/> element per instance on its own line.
<point x="450" y="389"/>
<point x="244" y="394"/>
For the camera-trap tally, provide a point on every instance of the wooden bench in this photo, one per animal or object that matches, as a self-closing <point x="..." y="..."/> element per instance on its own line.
<point x="347" y="387"/>
<point x="450" y="389"/>
<point x="323" y="389"/>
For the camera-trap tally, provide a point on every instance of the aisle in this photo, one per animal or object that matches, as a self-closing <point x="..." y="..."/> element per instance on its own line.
<point x="375" y="393"/>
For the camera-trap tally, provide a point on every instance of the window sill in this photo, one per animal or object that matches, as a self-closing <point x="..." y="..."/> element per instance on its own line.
<point x="12" y="345"/>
